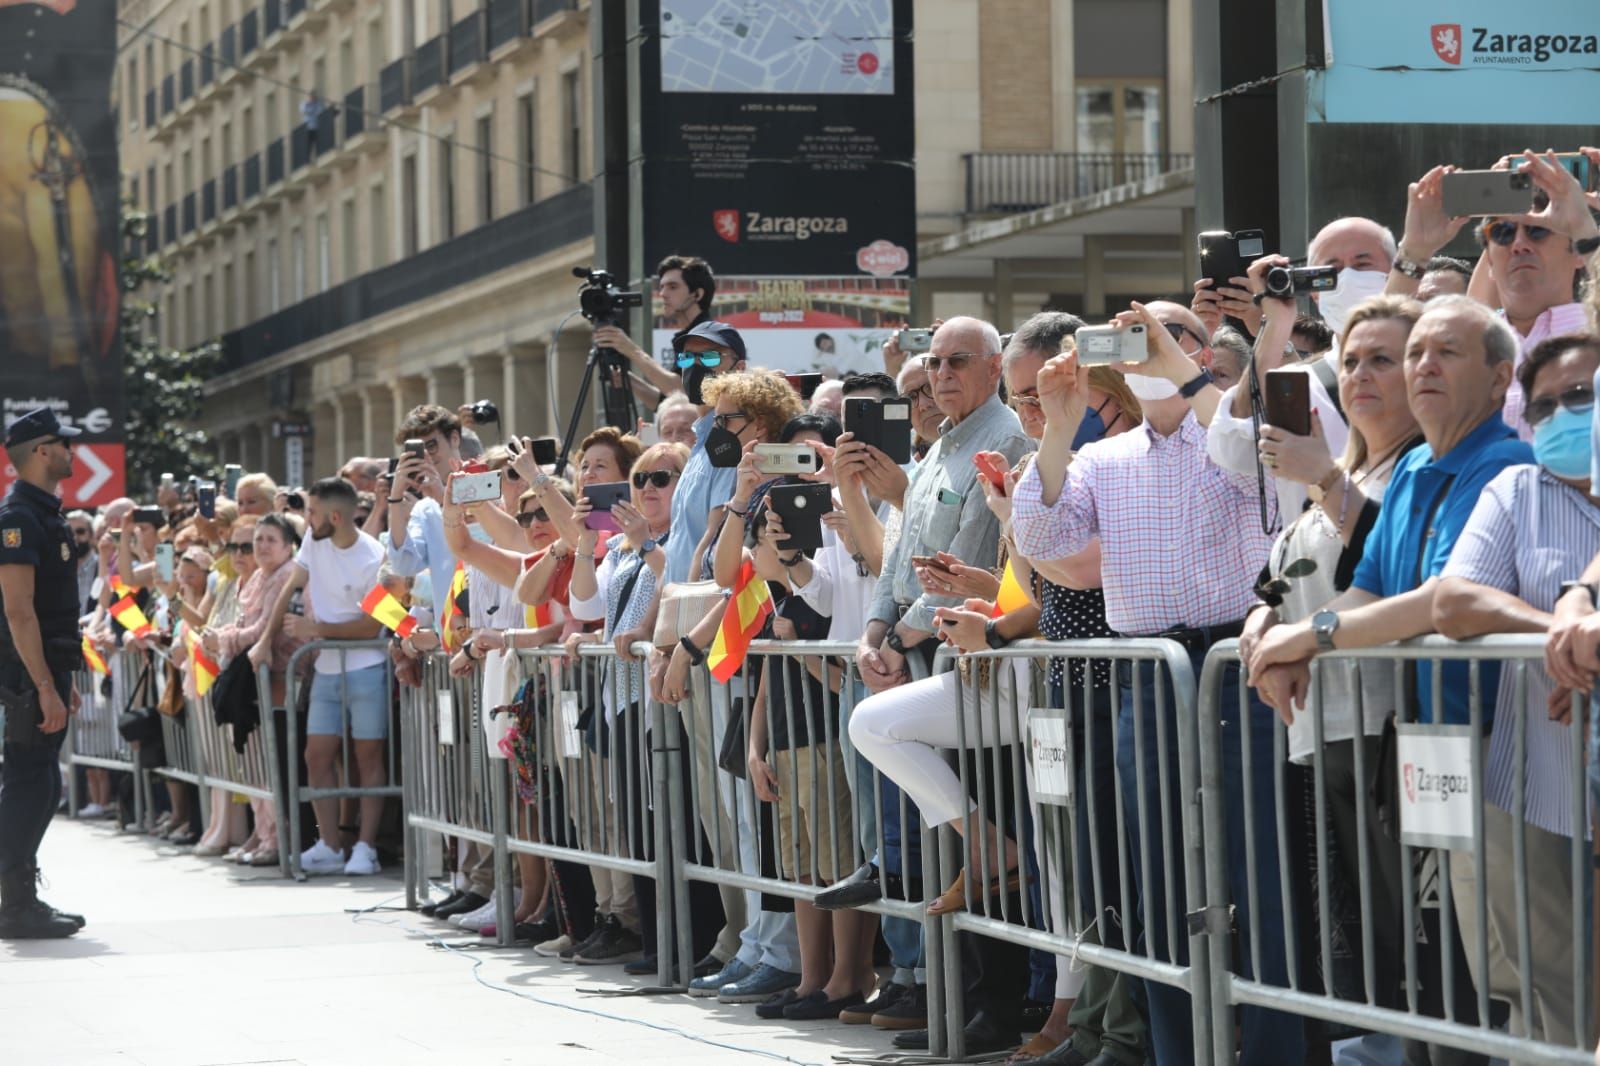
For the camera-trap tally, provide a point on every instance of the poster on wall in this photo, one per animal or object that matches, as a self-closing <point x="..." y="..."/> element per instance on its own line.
<point x="831" y="326"/>
<point x="59" y="290"/>
<point x="778" y="135"/>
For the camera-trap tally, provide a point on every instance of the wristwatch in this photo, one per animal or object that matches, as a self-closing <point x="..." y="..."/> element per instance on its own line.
<point x="1410" y="268"/>
<point x="648" y="546"/>
<point x="1320" y="489"/>
<point x="991" y="634"/>
<point x="1189" y="388"/>
<point x="1592" y="589"/>
<point x="696" y="656"/>
<point x="894" y="642"/>
<point x="1323" y="625"/>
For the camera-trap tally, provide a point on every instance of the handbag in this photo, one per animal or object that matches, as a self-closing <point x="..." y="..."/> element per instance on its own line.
<point x="1385" y="789"/>
<point x="170" y="702"/>
<point x="733" y="755"/>
<point x="684" y="605"/>
<point x="139" y="725"/>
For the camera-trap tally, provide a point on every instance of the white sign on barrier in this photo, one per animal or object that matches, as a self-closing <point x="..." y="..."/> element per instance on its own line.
<point x="1047" y="751"/>
<point x="571" y="740"/>
<point x="447" y="717"/>
<point x="1436" y="779"/>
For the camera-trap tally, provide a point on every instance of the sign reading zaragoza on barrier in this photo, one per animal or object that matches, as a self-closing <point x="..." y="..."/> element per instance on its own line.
<point x="60" y="344"/>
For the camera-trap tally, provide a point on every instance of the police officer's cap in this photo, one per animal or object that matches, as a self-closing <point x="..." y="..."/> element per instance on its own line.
<point x="40" y="422"/>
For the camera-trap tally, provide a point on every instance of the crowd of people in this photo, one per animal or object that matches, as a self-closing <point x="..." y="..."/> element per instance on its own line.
<point x="1445" y="486"/>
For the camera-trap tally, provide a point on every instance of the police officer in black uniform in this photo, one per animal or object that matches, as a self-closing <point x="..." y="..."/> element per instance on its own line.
<point x="39" y="649"/>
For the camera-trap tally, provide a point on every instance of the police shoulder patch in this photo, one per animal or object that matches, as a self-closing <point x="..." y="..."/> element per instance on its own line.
<point x="66" y="553"/>
<point x="12" y="538"/>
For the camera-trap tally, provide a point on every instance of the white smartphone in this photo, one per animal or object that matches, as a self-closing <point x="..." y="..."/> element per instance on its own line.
<point x="164" y="562"/>
<point x="786" y="459"/>
<point x="1102" y="345"/>
<point x="476" y="488"/>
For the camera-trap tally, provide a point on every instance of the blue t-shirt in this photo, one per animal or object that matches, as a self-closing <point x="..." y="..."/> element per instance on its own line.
<point x="1424" y="510"/>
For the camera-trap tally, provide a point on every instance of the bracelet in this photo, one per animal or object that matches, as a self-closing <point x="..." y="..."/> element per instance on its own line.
<point x="697" y="657"/>
<point x="728" y="508"/>
<point x="394" y="499"/>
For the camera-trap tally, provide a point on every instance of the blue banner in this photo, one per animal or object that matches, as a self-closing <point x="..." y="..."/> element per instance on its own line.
<point x="1460" y="62"/>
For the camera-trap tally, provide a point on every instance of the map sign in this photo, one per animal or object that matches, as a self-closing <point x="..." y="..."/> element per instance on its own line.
<point x="778" y="46"/>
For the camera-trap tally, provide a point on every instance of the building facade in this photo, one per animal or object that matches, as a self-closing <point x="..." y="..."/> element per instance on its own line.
<point x="408" y="232"/>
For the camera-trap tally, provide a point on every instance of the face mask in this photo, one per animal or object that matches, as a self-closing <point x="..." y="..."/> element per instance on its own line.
<point x="1561" y="443"/>
<point x="693" y="378"/>
<point x="1149" y="388"/>
<point x="1091" y="429"/>
<point x="1354" y="286"/>
<point x="80" y="548"/>
<point x="723" y="447"/>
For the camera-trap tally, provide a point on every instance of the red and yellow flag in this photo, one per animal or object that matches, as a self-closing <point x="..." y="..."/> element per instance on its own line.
<point x="446" y="631"/>
<point x="747" y="611"/>
<point x="382" y="605"/>
<point x="120" y="587"/>
<point x="205" y="667"/>
<point x="540" y="616"/>
<point x="93" y="658"/>
<point x="1011" y="596"/>
<point x="128" y="615"/>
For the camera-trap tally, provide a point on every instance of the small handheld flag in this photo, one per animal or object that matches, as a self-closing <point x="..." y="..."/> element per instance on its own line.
<point x="128" y="615"/>
<point x="458" y="581"/>
<point x="205" y="667"/>
<point x="380" y="604"/>
<point x="747" y="611"/>
<point x="93" y="658"/>
<point x="1011" y="597"/>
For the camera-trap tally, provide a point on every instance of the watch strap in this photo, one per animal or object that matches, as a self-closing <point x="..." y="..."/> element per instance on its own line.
<point x="696" y="656"/>
<point x="892" y="639"/>
<point x="991" y="634"/>
<point x="1410" y="267"/>
<point x="1592" y="589"/>
<point x="1189" y="388"/>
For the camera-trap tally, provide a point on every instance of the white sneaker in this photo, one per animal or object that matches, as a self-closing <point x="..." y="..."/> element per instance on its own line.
<point x="93" y="810"/>
<point x="472" y="921"/>
<point x="321" y="859"/>
<point x="551" y="949"/>
<point x="363" y="860"/>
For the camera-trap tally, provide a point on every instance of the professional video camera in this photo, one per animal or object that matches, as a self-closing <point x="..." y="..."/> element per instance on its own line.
<point x="599" y="298"/>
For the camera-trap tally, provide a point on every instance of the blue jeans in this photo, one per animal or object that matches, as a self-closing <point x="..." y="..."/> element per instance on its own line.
<point x="1268" y="1037"/>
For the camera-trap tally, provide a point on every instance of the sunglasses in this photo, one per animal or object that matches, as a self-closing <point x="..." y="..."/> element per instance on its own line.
<point x="242" y="549"/>
<point x="957" y="363"/>
<point x="722" y="421"/>
<point x="709" y="360"/>
<point x="528" y="518"/>
<point x="924" y="393"/>
<point x="1504" y="233"/>
<point x="82" y="534"/>
<point x="1576" y="398"/>
<point x="659" y="478"/>
<point x="1176" y="331"/>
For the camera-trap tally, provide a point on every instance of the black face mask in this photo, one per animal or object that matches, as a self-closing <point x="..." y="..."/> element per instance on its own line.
<point x="693" y="378"/>
<point x="723" y="447"/>
<point x="80" y="548"/>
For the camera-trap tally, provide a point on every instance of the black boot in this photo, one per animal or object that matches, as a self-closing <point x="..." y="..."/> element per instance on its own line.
<point x="76" y="919"/>
<point x="22" y="917"/>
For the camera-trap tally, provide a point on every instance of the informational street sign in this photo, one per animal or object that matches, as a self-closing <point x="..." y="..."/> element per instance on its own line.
<point x="1439" y="785"/>
<point x="59" y="294"/>
<point x="778" y="135"/>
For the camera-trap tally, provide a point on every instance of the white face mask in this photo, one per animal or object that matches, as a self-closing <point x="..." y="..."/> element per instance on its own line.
<point x="1148" y="388"/>
<point x="1354" y="286"/>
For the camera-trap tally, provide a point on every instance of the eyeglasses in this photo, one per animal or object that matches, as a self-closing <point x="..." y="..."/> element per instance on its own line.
<point x="709" y="360"/>
<point x="722" y="421"/>
<point x="1176" y="330"/>
<point x="924" y="394"/>
<point x="1019" y="400"/>
<point x="659" y="478"/>
<point x="528" y="518"/>
<point x="431" y="445"/>
<point x="1504" y="233"/>
<point x="957" y="363"/>
<point x="242" y="549"/>
<point x="1576" y="398"/>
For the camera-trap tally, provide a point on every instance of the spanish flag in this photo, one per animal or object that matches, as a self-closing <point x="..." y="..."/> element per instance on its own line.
<point x="1011" y="596"/>
<point x="457" y="583"/>
<point x="120" y="587"/>
<point x="747" y="611"/>
<point x="540" y="616"/>
<point x="93" y="658"/>
<point x="128" y="615"/>
<point x="386" y="609"/>
<point x="205" y="668"/>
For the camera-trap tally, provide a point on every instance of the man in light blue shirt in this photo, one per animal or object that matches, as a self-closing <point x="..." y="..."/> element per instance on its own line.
<point x="416" y="520"/>
<point x="707" y="350"/>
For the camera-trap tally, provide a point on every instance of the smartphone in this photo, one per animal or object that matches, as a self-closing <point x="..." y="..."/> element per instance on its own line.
<point x="1487" y="192"/>
<point x="206" y="499"/>
<point x="393" y="464"/>
<point x="164" y="562"/>
<point x="1103" y="345"/>
<point x="884" y="424"/>
<point x="1578" y="165"/>
<point x="476" y="488"/>
<point x="602" y="497"/>
<point x="1288" y="399"/>
<point x="786" y="459"/>
<point x="415" y="447"/>
<point x="149" y="516"/>
<point x="804" y="384"/>
<point x="927" y="560"/>
<point x="230" y="479"/>
<point x="914" y="341"/>
<point x="801" y="507"/>
<point x="545" y="450"/>
<point x="988" y="468"/>
<point x="1225" y="256"/>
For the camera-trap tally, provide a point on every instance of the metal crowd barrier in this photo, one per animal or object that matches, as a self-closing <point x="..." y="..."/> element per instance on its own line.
<point x="180" y="740"/>
<point x="1387" y="994"/>
<point x="92" y="736"/>
<point x="292" y="792"/>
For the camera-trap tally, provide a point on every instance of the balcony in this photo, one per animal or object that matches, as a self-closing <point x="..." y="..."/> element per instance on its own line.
<point x="466" y="43"/>
<point x="150" y="110"/>
<point x="186" y="81"/>
<point x="228" y="48"/>
<point x="508" y="21"/>
<point x="533" y="231"/>
<point x="271" y="18"/>
<point x="249" y="39"/>
<point x="362" y="132"/>
<point x="207" y="65"/>
<point x="1009" y="183"/>
<point x="208" y="201"/>
<point x="427" y="69"/>
<point x="169" y="95"/>
<point x="188" y="214"/>
<point x="169" y="223"/>
<point x="275" y="162"/>
<point x="546" y="9"/>
<point x="230" y="187"/>
<point x="252" y="177"/>
<point x="394" y="85"/>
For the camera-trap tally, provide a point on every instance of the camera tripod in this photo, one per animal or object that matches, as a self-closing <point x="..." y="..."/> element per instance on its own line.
<point x="616" y="398"/>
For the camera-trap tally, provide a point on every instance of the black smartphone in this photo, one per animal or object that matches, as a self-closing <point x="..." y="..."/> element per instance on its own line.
<point x="801" y="507"/>
<point x="149" y="516"/>
<point x="393" y="463"/>
<point x="884" y="424"/>
<point x="1225" y="256"/>
<point x="545" y="450"/>
<point x="1288" y="398"/>
<point x="416" y="447"/>
<point x="604" y="495"/>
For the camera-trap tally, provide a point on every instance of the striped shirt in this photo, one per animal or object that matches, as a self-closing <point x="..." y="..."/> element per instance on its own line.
<point x="1180" y="537"/>
<point x="1528" y="534"/>
<point x="1553" y="322"/>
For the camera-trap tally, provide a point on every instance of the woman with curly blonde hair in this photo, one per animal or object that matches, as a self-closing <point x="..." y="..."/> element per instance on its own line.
<point x="753" y="404"/>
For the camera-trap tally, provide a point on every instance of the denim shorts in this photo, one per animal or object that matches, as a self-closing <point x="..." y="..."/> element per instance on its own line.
<point x="364" y="692"/>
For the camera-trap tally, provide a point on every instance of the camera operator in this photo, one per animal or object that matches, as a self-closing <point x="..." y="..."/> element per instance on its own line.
<point x="685" y="286"/>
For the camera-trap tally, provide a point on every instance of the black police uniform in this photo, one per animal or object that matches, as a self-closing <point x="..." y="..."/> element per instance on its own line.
<point x="33" y="533"/>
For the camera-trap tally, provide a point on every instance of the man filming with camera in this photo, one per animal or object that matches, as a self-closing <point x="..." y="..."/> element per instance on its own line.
<point x="685" y="286"/>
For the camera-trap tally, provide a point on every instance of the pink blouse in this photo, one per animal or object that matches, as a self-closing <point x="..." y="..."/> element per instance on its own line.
<point x="256" y="598"/>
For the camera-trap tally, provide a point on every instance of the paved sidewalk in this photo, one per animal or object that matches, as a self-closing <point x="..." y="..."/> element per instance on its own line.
<point x="192" y="961"/>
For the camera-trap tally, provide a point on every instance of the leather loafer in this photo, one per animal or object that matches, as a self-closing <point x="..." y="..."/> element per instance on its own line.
<point x="983" y="1036"/>
<point x="865" y="885"/>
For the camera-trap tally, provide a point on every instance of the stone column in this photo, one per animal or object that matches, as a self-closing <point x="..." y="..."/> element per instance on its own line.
<point x="364" y="396"/>
<point x="469" y="381"/>
<point x="340" y="454"/>
<point x="509" y="414"/>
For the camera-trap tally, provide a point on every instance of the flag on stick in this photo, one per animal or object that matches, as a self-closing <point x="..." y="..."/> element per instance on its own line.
<point x="205" y="667"/>
<point x="747" y="611"/>
<point x="93" y="658"/>
<point x="381" y="605"/>
<point x="1011" y="596"/>
<point x="128" y="615"/>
